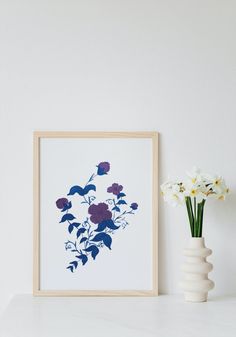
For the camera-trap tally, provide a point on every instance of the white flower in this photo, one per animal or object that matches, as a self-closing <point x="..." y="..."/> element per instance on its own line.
<point x="195" y="185"/>
<point x="198" y="185"/>
<point x="217" y="187"/>
<point x="197" y="190"/>
<point x="219" y="190"/>
<point x="217" y="184"/>
<point x="174" y="199"/>
<point x="172" y="193"/>
<point x="195" y="176"/>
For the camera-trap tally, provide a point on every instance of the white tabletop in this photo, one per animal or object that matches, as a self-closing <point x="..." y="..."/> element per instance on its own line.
<point x="163" y="316"/>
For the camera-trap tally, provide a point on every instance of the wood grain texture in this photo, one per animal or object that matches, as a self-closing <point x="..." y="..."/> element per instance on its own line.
<point x="155" y="212"/>
<point x="96" y="293"/>
<point x="36" y="233"/>
<point x="95" y="134"/>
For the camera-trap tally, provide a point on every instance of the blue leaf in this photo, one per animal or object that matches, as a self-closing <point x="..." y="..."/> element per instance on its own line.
<point x="89" y="188"/>
<point x="106" y="223"/>
<point x="90" y="248"/>
<point x="111" y="225"/>
<point x="122" y="202"/>
<point x="117" y="209"/>
<point x="83" y="239"/>
<point x="120" y="195"/>
<point x="71" y="268"/>
<point x="83" y="258"/>
<point x="107" y="240"/>
<point x="70" y="228"/>
<point x="75" y="263"/>
<point x="76" y="224"/>
<point x="94" y="251"/>
<point x="72" y="225"/>
<point x="67" y="206"/>
<point x="66" y="217"/>
<point x="76" y="189"/>
<point x="101" y="226"/>
<point x="80" y="231"/>
<point x="99" y="237"/>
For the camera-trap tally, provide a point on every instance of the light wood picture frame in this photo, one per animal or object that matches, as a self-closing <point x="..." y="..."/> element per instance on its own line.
<point x="95" y="214"/>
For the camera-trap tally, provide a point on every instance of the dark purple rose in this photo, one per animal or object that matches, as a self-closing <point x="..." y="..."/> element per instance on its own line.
<point x="61" y="203"/>
<point x="103" y="168"/>
<point x="134" y="206"/>
<point x="115" y="189"/>
<point x="99" y="212"/>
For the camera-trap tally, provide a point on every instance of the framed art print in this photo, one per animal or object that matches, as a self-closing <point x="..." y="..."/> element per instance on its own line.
<point x="95" y="213"/>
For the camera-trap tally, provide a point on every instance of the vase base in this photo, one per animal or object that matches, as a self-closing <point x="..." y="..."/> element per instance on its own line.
<point x="195" y="297"/>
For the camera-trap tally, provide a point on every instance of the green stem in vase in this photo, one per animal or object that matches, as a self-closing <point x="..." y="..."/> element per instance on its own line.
<point x="201" y="220"/>
<point x="199" y="210"/>
<point x="190" y="214"/>
<point x="195" y="217"/>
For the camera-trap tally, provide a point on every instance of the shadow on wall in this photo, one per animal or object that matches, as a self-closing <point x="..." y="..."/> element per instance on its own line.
<point x="220" y="223"/>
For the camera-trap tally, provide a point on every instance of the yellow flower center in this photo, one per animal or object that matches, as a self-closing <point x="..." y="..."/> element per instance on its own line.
<point x="193" y="192"/>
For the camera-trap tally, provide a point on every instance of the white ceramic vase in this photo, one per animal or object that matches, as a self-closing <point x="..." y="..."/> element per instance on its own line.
<point x="196" y="283"/>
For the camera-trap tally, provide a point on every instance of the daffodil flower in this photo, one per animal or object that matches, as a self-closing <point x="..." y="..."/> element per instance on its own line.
<point x="193" y="192"/>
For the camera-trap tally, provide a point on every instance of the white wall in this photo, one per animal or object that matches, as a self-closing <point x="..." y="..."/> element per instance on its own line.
<point x="120" y="65"/>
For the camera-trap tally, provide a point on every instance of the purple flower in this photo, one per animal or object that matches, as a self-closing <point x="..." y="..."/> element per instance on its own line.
<point x="62" y="202"/>
<point x="99" y="212"/>
<point x="115" y="189"/>
<point x="103" y="168"/>
<point x="134" y="206"/>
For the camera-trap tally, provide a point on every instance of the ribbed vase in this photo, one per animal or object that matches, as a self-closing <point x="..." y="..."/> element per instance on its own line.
<point x="196" y="283"/>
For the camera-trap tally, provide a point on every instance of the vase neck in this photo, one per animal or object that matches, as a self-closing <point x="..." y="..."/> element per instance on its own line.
<point x="196" y="242"/>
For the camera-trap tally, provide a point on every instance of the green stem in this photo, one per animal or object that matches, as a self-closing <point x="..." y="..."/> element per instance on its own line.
<point x="202" y="210"/>
<point x="190" y="214"/>
<point x="199" y="214"/>
<point x="195" y="217"/>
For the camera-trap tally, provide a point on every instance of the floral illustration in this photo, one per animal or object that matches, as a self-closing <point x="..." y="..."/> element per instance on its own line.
<point x="90" y="235"/>
<point x="115" y="189"/>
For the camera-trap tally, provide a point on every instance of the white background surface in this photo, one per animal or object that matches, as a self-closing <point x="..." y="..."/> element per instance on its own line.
<point x="68" y="162"/>
<point x="120" y="65"/>
<point x="165" y="316"/>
